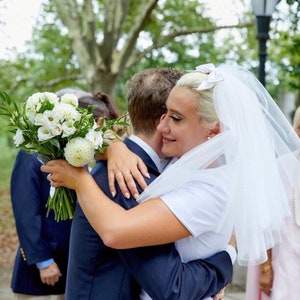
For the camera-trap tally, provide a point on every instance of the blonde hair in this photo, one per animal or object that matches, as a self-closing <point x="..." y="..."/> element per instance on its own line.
<point x="204" y="98"/>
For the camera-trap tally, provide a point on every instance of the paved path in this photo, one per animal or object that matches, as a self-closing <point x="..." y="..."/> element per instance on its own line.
<point x="6" y="294"/>
<point x="235" y="296"/>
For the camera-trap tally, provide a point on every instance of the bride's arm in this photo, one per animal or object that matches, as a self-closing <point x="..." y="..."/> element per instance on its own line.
<point x="125" y="167"/>
<point x="149" y="223"/>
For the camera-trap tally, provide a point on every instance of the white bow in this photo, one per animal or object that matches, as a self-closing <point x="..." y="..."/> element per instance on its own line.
<point x="211" y="80"/>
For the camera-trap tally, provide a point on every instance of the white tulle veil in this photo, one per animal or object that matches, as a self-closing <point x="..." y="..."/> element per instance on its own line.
<point x="258" y="146"/>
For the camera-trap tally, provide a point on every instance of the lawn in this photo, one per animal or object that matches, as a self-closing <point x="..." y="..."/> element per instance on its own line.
<point x="7" y="158"/>
<point x="8" y="237"/>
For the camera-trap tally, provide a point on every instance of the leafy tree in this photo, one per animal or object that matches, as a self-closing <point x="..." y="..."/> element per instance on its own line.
<point x="97" y="45"/>
<point x="284" y="50"/>
<point x="110" y="38"/>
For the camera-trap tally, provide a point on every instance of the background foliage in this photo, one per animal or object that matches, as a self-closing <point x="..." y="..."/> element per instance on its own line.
<point x="98" y="44"/>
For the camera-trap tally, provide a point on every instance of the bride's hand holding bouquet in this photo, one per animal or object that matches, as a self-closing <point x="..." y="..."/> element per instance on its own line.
<point x="56" y="128"/>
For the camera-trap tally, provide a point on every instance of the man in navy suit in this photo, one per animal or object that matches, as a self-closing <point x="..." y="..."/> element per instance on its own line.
<point x="99" y="272"/>
<point x="41" y="262"/>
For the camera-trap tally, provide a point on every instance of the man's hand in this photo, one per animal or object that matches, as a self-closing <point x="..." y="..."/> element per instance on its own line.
<point x="220" y="295"/>
<point x="50" y="275"/>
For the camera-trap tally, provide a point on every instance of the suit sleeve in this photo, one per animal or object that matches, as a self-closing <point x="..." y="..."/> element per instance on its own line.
<point x="26" y="195"/>
<point x="162" y="274"/>
<point x="159" y="270"/>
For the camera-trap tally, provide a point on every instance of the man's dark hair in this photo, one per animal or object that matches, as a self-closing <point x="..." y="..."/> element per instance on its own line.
<point x="147" y="92"/>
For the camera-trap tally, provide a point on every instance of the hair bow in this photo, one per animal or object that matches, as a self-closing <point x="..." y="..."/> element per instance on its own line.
<point x="211" y="80"/>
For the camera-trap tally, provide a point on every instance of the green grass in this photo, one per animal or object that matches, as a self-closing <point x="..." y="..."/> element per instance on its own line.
<point x="7" y="158"/>
<point x="8" y="235"/>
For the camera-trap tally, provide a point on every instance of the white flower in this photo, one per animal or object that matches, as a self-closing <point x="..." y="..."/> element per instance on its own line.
<point x="55" y="129"/>
<point x="44" y="134"/>
<point x="95" y="137"/>
<point x="67" y="112"/>
<point x="37" y="119"/>
<point x="18" y="138"/>
<point x="79" y="152"/>
<point x="51" y="97"/>
<point x="49" y="118"/>
<point x="68" y="128"/>
<point x="35" y="102"/>
<point x="70" y="99"/>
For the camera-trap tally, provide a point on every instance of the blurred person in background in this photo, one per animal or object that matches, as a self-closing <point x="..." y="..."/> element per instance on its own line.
<point x="276" y="279"/>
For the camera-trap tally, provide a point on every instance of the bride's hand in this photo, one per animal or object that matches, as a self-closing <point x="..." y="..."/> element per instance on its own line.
<point x="61" y="173"/>
<point x="125" y="167"/>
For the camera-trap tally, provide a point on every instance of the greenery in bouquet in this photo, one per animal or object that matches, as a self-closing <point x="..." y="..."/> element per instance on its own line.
<point x="57" y="128"/>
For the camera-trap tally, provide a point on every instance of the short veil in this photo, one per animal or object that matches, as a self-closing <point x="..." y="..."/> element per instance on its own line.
<point x="258" y="147"/>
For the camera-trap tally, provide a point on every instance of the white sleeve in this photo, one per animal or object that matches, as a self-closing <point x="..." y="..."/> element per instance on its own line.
<point x="199" y="204"/>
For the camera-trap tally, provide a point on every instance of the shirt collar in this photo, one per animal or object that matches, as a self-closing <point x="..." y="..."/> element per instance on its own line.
<point x="153" y="155"/>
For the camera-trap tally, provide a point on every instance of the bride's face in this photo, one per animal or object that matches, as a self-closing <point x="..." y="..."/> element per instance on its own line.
<point x="181" y="128"/>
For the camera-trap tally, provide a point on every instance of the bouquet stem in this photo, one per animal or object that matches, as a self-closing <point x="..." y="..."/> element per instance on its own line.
<point x="62" y="203"/>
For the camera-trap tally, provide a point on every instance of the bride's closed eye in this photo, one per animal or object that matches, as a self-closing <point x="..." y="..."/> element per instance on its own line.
<point x="175" y="118"/>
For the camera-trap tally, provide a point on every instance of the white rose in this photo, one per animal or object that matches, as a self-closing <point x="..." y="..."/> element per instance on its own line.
<point x="70" y="99"/>
<point x="79" y="152"/>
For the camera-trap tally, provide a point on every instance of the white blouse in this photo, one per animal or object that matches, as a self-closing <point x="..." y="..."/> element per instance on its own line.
<point x="200" y="205"/>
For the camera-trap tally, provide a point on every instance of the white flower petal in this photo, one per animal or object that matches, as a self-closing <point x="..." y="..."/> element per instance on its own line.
<point x="44" y="134"/>
<point x="95" y="137"/>
<point x="68" y="128"/>
<point x="18" y="138"/>
<point x="79" y="152"/>
<point x="70" y="99"/>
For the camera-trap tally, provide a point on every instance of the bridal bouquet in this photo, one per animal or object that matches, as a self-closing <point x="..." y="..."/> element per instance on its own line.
<point x="56" y="128"/>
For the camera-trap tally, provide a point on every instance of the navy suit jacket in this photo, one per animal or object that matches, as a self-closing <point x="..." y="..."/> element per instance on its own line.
<point x="99" y="272"/>
<point x="40" y="237"/>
